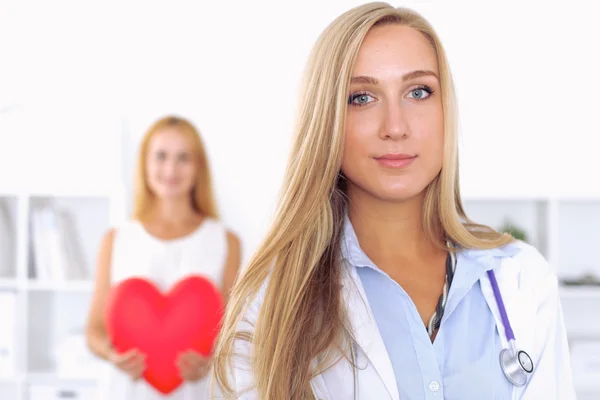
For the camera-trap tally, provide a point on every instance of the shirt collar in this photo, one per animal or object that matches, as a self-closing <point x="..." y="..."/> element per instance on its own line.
<point x="350" y="248"/>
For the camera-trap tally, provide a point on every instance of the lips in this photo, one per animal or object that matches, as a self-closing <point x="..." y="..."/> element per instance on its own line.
<point x="399" y="160"/>
<point x="396" y="156"/>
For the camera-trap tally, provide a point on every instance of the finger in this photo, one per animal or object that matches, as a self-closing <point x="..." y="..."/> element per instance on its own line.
<point x="181" y="360"/>
<point x="133" y="365"/>
<point x="130" y="353"/>
<point x="138" y="372"/>
<point x="184" y="368"/>
<point x="140" y="358"/>
<point x="196" y="359"/>
<point x="187" y="357"/>
<point x="204" y="363"/>
<point x="191" y="375"/>
<point x="123" y="358"/>
<point x="196" y="356"/>
<point x="129" y="363"/>
<point x="189" y="361"/>
<point x="135" y="369"/>
<point x="202" y="374"/>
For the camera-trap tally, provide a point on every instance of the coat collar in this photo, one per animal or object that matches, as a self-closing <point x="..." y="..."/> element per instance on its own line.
<point x="365" y="330"/>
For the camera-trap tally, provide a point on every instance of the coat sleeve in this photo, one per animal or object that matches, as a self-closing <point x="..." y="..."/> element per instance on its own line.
<point x="552" y="377"/>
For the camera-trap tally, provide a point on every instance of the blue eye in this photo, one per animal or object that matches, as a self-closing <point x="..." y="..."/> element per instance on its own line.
<point x="420" y="93"/>
<point x="360" y="99"/>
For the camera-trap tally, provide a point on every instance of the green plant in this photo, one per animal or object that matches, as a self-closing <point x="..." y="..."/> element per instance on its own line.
<point x="514" y="230"/>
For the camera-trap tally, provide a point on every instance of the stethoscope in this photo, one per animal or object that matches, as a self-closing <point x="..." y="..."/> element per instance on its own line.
<point x="515" y="364"/>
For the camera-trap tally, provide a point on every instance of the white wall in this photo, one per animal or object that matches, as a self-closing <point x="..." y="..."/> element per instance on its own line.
<point x="526" y="74"/>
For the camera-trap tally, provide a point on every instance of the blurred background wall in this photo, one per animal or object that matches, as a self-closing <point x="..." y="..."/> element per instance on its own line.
<point x="80" y="82"/>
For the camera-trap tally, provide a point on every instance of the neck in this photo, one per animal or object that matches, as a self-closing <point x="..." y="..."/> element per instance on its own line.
<point x="390" y="233"/>
<point x="172" y="211"/>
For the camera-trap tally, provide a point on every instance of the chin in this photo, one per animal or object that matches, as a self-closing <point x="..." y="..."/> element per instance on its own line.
<point x="170" y="193"/>
<point x="397" y="194"/>
<point x="393" y="190"/>
<point x="394" y="197"/>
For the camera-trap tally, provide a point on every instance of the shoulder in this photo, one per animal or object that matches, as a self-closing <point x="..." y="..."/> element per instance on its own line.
<point x="116" y="234"/>
<point x="521" y="262"/>
<point x="536" y="275"/>
<point x="232" y="239"/>
<point x="109" y="236"/>
<point x="127" y="227"/>
<point x="517" y="257"/>
<point x="530" y="271"/>
<point x="528" y="261"/>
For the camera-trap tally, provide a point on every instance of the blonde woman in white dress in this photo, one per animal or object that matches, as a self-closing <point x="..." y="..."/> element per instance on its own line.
<point x="174" y="232"/>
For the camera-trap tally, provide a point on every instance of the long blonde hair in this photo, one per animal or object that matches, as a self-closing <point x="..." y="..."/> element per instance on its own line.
<point x="301" y="316"/>
<point x="201" y="196"/>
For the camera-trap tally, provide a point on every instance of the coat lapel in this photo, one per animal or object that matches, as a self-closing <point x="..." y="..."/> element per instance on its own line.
<point x="364" y="327"/>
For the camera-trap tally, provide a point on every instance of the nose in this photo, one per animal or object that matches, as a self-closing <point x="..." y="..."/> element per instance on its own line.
<point x="394" y="125"/>
<point x="169" y="166"/>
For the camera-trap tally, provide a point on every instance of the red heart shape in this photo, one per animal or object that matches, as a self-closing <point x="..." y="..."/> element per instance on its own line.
<point x="161" y="326"/>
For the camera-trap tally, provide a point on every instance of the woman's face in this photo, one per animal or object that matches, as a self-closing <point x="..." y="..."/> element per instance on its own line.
<point x="170" y="165"/>
<point x="394" y="125"/>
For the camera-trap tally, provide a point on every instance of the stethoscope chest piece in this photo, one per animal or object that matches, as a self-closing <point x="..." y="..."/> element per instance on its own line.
<point x="516" y="367"/>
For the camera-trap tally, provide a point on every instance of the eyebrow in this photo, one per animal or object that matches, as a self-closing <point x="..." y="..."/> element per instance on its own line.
<point x="406" y="77"/>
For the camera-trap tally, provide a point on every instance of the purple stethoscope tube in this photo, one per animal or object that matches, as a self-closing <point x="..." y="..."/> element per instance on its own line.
<point x="516" y="364"/>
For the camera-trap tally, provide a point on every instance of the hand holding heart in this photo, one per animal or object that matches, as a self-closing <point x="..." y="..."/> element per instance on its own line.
<point x="192" y="365"/>
<point x="165" y="338"/>
<point x="131" y="362"/>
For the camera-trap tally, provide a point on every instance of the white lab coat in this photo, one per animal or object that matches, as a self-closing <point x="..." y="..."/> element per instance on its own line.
<point x="530" y="292"/>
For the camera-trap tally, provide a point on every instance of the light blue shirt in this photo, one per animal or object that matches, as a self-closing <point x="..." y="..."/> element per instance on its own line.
<point x="463" y="362"/>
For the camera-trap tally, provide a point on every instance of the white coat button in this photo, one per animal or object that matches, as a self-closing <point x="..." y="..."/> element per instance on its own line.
<point x="434" y="386"/>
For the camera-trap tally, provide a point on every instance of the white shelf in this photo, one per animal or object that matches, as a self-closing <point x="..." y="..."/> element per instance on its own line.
<point x="53" y="378"/>
<point x="13" y="379"/>
<point x="8" y="226"/>
<point x="579" y="237"/>
<point x="531" y="214"/>
<point x="50" y="312"/>
<point x="563" y="228"/>
<point x="87" y="216"/>
<point x="85" y="286"/>
<point x="88" y="184"/>
<point x="10" y="387"/>
<point x="579" y="293"/>
<point x="8" y="284"/>
<point x="563" y="197"/>
<point x="93" y="191"/>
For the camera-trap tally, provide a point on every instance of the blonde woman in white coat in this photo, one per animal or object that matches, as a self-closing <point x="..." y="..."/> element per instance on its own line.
<point x="175" y="232"/>
<point x="372" y="282"/>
